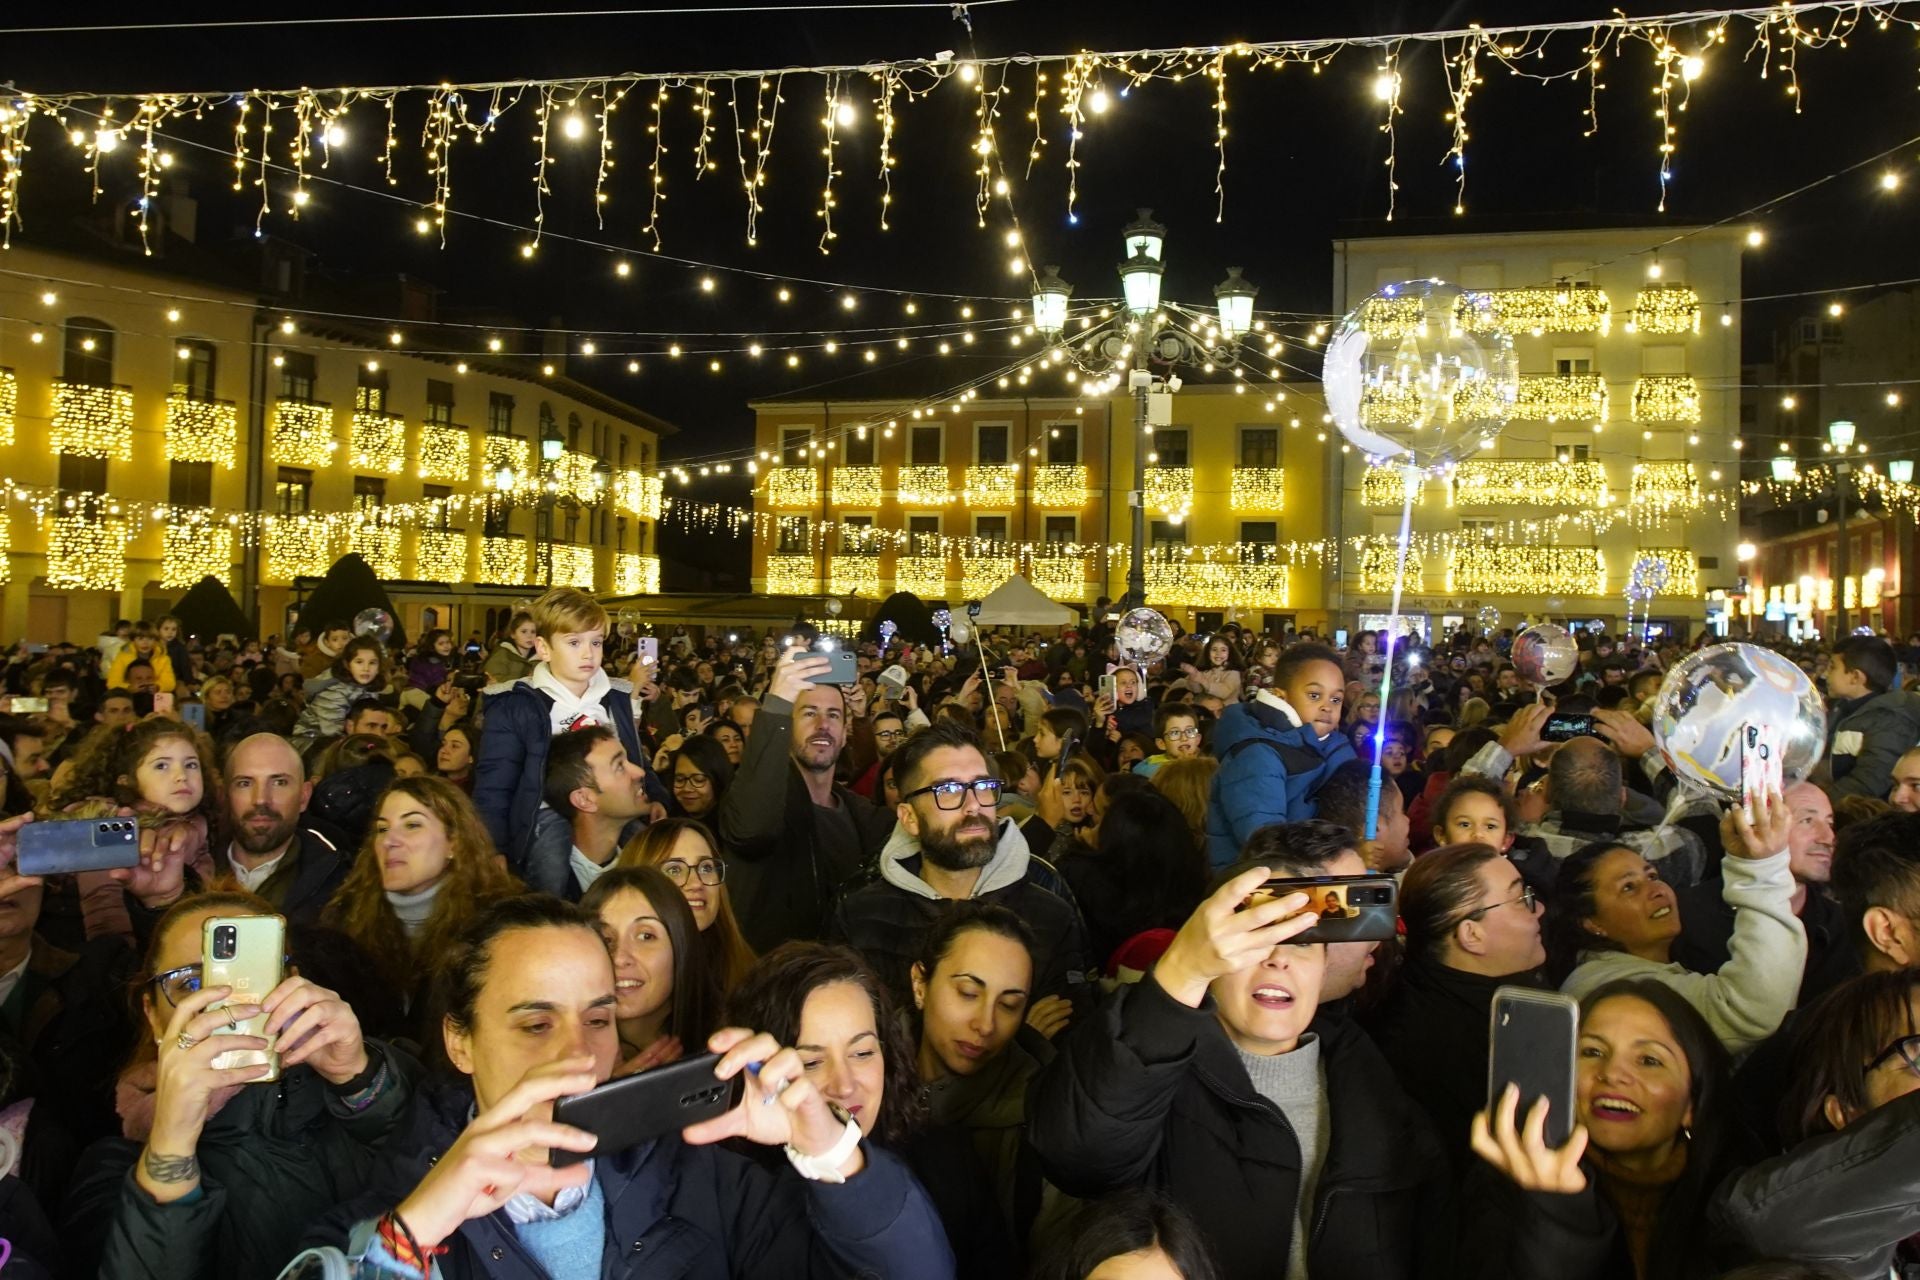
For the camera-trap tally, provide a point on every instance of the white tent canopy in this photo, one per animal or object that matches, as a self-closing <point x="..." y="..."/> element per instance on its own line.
<point x="1018" y="603"/>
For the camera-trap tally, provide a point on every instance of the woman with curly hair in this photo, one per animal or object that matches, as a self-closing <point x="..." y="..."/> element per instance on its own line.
<point x="425" y="872"/>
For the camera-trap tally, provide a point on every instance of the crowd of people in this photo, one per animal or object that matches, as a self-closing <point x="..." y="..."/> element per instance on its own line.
<point x="984" y="934"/>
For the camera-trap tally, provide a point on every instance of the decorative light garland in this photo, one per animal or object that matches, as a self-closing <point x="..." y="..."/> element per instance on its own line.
<point x="565" y="564"/>
<point x="1567" y="308"/>
<point x="635" y="574"/>
<point x="791" y="575"/>
<point x="924" y="576"/>
<point x="1059" y="577"/>
<point x="639" y="493"/>
<point x="1259" y="489"/>
<point x="1666" y="309"/>
<point x="513" y="456"/>
<point x="1666" y="397"/>
<point x="854" y="575"/>
<point x="297" y="547"/>
<point x="927" y="486"/>
<point x="503" y="559"/>
<point x="379" y="546"/>
<point x="1170" y="489"/>
<point x="979" y="575"/>
<point x="575" y="478"/>
<point x="1059" y="486"/>
<point x="1551" y="397"/>
<point x="445" y="453"/>
<point x="9" y="405"/>
<point x="440" y="555"/>
<point x="302" y="433"/>
<point x="1527" y="571"/>
<point x="1388" y="488"/>
<point x="379" y="442"/>
<point x="1683" y="568"/>
<point x="92" y="421"/>
<point x="202" y="431"/>
<point x="1216" y="577"/>
<point x="192" y="549"/>
<point x="790" y="488"/>
<point x="1662" y="490"/>
<point x="87" y="553"/>
<point x="1380" y="564"/>
<point x="988" y="487"/>
<point x="857" y="486"/>
<point x="1527" y="482"/>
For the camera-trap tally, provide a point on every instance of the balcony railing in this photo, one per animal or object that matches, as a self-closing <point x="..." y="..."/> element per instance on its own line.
<point x="297" y="547"/>
<point x="1386" y="488"/>
<point x="446" y="452"/>
<point x="1578" y="308"/>
<point x="1497" y="570"/>
<point x="1662" y="490"/>
<point x="302" y="433"/>
<point x="1259" y="489"/>
<point x="854" y="575"/>
<point x="1671" y="398"/>
<point x="1547" y="397"/>
<point x="1528" y="482"/>
<point x="790" y="575"/>
<point x="195" y="545"/>
<point x="87" y="553"/>
<point x="1667" y="309"/>
<point x="503" y="559"/>
<point x="378" y="442"/>
<point x="93" y="421"/>
<point x="563" y="564"/>
<point x="9" y="405"/>
<point x="857" y="487"/>
<point x="440" y="555"/>
<point x="202" y="431"/>
<point x="993" y="485"/>
<point x="1238" y="576"/>
<point x="1058" y="487"/>
<point x="1170" y="489"/>
<point x="924" y="576"/>
<point x="1379" y="565"/>
<point x="927" y="486"/>
<point x="635" y="574"/>
<point x="793" y="488"/>
<point x="639" y="493"/>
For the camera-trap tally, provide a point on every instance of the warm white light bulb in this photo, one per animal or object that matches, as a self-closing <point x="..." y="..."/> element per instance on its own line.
<point x="1386" y="86"/>
<point x="1098" y="102"/>
<point x="574" y="126"/>
<point x="336" y="135"/>
<point x="1691" y="68"/>
<point x="845" y="114"/>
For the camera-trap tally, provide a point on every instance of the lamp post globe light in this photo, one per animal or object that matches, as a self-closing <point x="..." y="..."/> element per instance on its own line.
<point x="1137" y="338"/>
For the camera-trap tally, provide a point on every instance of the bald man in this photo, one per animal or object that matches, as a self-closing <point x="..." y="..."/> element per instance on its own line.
<point x="273" y="853"/>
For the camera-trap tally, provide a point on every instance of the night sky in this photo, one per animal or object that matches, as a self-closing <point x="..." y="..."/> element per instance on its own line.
<point x="1304" y="164"/>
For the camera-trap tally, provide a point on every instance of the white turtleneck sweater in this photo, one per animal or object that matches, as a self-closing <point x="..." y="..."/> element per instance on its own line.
<point x="414" y="909"/>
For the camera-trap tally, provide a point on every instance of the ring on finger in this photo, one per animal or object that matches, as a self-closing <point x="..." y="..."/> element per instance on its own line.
<point x="185" y="1041"/>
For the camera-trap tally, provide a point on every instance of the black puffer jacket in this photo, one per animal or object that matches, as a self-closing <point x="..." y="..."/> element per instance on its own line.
<point x="1152" y="1092"/>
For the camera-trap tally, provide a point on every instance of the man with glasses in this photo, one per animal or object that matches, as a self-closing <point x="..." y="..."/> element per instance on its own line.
<point x="952" y="844"/>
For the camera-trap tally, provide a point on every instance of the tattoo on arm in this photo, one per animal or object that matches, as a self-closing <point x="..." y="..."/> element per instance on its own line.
<point x="168" y="1169"/>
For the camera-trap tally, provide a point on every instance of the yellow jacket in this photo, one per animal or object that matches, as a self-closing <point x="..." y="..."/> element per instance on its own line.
<point x="161" y="663"/>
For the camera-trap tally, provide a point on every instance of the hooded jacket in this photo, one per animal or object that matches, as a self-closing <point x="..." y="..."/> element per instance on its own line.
<point x="886" y="919"/>
<point x="1270" y="766"/>
<point x="1866" y="738"/>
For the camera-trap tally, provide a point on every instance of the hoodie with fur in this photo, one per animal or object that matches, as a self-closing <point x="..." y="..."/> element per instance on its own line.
<point x="1270" y="767"/>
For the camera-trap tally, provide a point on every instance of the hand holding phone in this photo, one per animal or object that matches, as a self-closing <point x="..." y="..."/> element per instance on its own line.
<point x="1532" y="1037"/>
<point x="247" y="955"/>
<point x="1562" y="726"/>
<point x="66" y="846"/>
<point x="1762" y="768"/>
<point x="1352" y="908"/>
<point x="626" y="1112"/>
<point x="1227" y="934"/>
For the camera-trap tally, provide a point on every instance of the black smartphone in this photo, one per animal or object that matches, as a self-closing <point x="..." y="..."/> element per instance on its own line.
<point x="1564" y="725"/>
<point x="1352" y="908"/>
<point x="1533" y="1037"/>
<point x="627" y="1112"/>
<point x="473" y="649"/>
<point x="1068" y="745"/>
<point x="62" y="846"/>
<point x="845" y="668"/>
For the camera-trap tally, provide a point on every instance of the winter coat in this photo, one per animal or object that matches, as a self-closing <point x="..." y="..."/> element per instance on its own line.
<point x="68" y="1014"/>
<point x="306" y="876"/>
<point x="1706" y="934"/>
<point x="1866" y="738"/>
<point x="675" y="1210"/>
<point x="886" y="920"/>
<point x="326" y="710"/>
<point x="782" y="873"/>
<point x="163" y="673"/>
<point x="272" y="1160"/>
<point x="426" y="672"/>
<point x="1269" y="772"/>
<point x="1151" y="1092"/>
<point x="507" y="664"/>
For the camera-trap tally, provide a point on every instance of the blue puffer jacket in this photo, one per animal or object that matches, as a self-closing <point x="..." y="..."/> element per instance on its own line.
<point x="1269" y="771"/>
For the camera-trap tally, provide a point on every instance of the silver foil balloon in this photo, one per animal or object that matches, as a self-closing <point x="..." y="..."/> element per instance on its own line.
<point x="1711" y="695"/>
<point x="1545" y="654"/>
<point x="377" y="623"/>
<point x="1143" y="637"/>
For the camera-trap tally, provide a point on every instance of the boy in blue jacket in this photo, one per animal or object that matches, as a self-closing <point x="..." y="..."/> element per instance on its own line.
<point x="568" y="689"/>
<point x="1276" y="750"/>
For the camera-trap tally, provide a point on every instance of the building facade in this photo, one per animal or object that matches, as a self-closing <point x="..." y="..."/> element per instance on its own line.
<point x="1621" y="450"/>
<point x="156" y="428"/>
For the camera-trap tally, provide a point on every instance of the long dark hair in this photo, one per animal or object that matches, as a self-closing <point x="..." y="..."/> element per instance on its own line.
<point x="696" y="986"/>
<point x="1569" y="906"/>
<point x="775" y="992"/>
<point x="1837" y="1038"/>
<point x="1123" y="1223"/>
<point x="711" y="759"/>
<point x="1146" y="842"/>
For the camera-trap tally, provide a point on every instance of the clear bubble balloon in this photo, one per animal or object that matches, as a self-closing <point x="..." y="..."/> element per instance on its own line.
<point x="1143" y="636"/>
<point x="960" y="630"/>
<point x="1544" y="654"/>
<point x="626" y="623"/>
<point x="377" y="623"/>
<point x="1712" y="695"/>
<point x="1420" y="373"/>
<point x="834" y="606"/>
<point x="1488" y="618"/>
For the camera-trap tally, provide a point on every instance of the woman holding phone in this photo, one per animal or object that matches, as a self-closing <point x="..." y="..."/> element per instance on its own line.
<point x="529" y="996"/>
<point x="224" y="1176"/>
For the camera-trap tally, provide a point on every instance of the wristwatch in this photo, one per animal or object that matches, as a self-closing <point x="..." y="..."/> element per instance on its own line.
<point x="826" y="1167"/>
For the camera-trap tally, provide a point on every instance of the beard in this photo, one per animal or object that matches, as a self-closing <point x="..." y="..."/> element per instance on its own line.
<point x="254" y="840"/>
<point x="953" y="850"/>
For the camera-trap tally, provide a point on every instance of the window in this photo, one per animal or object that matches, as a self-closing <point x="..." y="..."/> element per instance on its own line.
<point x="1581" y="452"/>
<point x="1572" y="363"/>
<point x="1259" y="446"/>
<point x="193" y="370"/>
<point x="1168" y="534"/>
<point x="620" y="534"/>
<point x="497" y="522"/>
<point x="438" y="493"/>
<point x="990" y="528"/>
<point x="89" y="352"/>
<point x="927" y="446"/>
<point x="499" y="414"/>
<point x="854" y="539"/>
<point x="369" y="493"/>
<point x="793" y="539"/>
<point x="1062" y="529"/>
<point x="573" y="432"/>
<point x="860" y="447"/>
<point x="640" y="540"/>
<point x="1171" y="444"/>
<point x="190" y="484"/>
<point x="1259" y="531"/>
<point x="293" y="491"/>
<point x="296" y="375"/>
<point x="370" y="392"/>
<point x="82" y="475"/>
<point x="1063" y="444"/>
<point x="990" y="444"/>
<point x="794" y="443"/>
<point x="923" y="535"/>
<point x="439" y="402"/>
<point x="623" y="451"/>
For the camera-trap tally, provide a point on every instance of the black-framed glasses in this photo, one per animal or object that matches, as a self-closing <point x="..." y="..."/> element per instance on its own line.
<point x="1906" y="1048"/>
<point x="1527" y="895"/>
<point x="691" y="780"/>
<point x="709" y="871"/>
<point x="951" y="795"/>
<point x="177" y="984"/>
<point x="1182" y="735"/>
<point x="888" y="735"/>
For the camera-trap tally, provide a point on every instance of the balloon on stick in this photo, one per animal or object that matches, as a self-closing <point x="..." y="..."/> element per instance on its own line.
<point x="1708" y="699"/>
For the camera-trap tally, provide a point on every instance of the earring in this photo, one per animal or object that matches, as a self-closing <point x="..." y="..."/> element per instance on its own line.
<point x="1686" y="1133"/>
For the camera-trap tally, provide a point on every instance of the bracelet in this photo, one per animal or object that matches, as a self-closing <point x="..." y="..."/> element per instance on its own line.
<point x="357" y="1083"/>
<point x="398" y="1239"/>
<point x="826" y="1167"/>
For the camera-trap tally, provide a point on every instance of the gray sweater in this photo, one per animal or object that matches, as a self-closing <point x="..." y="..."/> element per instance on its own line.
<point x="1297" y="1084"/>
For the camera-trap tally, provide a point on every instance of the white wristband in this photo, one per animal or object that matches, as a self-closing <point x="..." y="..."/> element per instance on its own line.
<point x="826" y="1168"/>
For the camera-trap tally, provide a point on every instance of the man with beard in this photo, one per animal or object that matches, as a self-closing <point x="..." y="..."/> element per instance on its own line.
<point x="951" y="844"/>
<point x="793" y="836"/>
<point x="293" y="865"/>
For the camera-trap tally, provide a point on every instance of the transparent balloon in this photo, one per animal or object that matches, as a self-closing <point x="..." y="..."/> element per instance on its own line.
<point x="1143" y="636"/>
<point x="1489" y="618"/>
<point x="960" y="630"/>
<point x="1712" y="695"/>
<point x="626" y="623"/>
<point x="1544" y="654"/>
<point x="377" y="623"/>
<point x="1420" y="374"/>
<point x="834" y="606"/>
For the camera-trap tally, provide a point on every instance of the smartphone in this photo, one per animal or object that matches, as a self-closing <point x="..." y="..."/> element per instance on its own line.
<point x="1762" y="767"/>
<point x="1352" y="908"/>
<point x="194" y="715"/>
<point x="627" y="1112"/>
<point x="1339" y="637"/>
<point x="248" y="954"/>
<point x="1110" y="686"/>
<point x="650" y="650"/>
<point x="1563" y="725"/>
<point x="162" y="703"/>
<point x="845" y="668"/>
<point x="1533" y="1036"/>
<point x="62" y="846"/>
<point x="25" y="706"/>
<point x="473" y="649"/>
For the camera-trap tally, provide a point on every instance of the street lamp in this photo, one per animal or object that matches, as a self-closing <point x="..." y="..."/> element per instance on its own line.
<point x="1145" y="236"/>
<point x="1140" y="282"/>
<point x="1840" y="434"/>
<point x="1900" y="470"/>
<point x="1234" y="297"/>
<point x="1051" y="295"/>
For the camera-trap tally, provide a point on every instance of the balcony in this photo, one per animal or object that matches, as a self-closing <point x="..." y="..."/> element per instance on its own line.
<point x="511" y="454"/>
<point x="1058" y="487"/>
<point x="92" y="421"/>
<point x="635" y="574"/>
<point x="562" y="564"/>
<point x="201" y="431"/>
<point x="440" y="555"/>
<point x="924" y="487"/>
<point x="1169" y="489"/>
<point x="1259" y="489"/>
<point x="1379" y="564"/>
<point x="1527" y="571"/>
<point x="793" y="488"/>
<point x="992" y="486"/>
<point x="790" y="575"/>
<point x="379" y="546"/>
<point x="195" y="545"/>
<point x="446" y="452"/>
<point x="639" y="493"/>
<point x="1666" y="309"/>
<point x="302" y="433"/>
<point x="297" y="547"/>
<point x="1576" y="308"/>
<point x="503" y="559"/>
<point x="1683" y="570"/>
<point x="575" y="480"/>
<point x="854" y="575"/>
<point x="1550" y="397"/>
<point x="9" y="404"/>
<point x="1386" y="488"/>
<point x="378" y="442"/>
<point x="924" y="576"/>
<point x="857" y="487"/>
<point x="87" y="553"/>
<point x="1217" y="577"/>
<point x="1528" y="482"/>
<point x="1668" y="398"/>
<point x="981" y="574"/>
<point x="1060" y="577"/>
<point x="1663" y="490"/>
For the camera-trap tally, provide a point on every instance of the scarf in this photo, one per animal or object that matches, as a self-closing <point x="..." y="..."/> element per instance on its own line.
<point x="569" y="711"/>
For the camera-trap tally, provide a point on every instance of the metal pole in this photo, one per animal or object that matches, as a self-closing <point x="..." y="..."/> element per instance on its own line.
<point x="1140" y="378"/>
<point x="1845" y="478"/>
